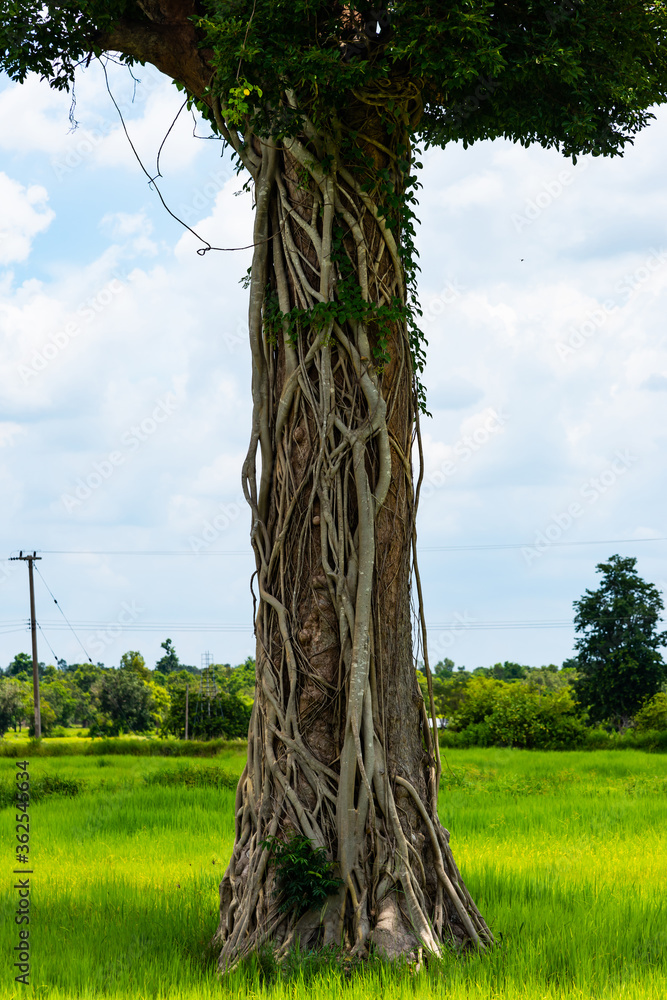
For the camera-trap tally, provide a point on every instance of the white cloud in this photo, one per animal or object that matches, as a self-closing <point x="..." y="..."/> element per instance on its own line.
<point x="152" y="316"/>
<point x="24" y="215"/>
<point x="9" y="432"/>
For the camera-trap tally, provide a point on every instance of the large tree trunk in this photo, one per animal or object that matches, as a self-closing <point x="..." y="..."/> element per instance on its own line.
<point x="341" y="747"/>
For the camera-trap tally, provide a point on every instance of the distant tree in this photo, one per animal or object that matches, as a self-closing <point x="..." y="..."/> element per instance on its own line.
<point x="168" y="663"/>
<point x="47" y="714"/>
<point x="498" y="713"/>
<point x="619" y="666"/>
<point x="549" y="678"/>
<point x="21" y="664"/>
<point x="85" y="675"/>
<point x="653" y="715"/>
<point x="12" y="705"/>
<point x="125" y="703"/>
<point x="223" y="716"/>
<point x="507" y="671"/>
<point x="134" y="662"/>
<point x="238" y="681"/>
<point x="444" y="668"/>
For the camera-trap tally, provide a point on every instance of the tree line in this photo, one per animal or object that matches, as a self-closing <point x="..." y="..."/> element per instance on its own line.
<point x="110" y="701"/>
<point x="616" y="679"/>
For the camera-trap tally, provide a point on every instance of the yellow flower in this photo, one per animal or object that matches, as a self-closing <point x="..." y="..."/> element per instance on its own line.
<point x="246" y="91"/>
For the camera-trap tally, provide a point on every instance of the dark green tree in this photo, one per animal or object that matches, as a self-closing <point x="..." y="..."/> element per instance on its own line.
<point x="168" y="663"/>
<point x="619" y="664"/>
<point x="223" y="716"/>
<point x="323" y="104"/>
<point x="13" y="704"/>
<point x="21" y="664"/>
<point x="125" y="703"/>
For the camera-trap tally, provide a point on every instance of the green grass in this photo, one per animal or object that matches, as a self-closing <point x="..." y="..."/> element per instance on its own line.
<point x="566" y="854"/>
<point x="139" y="746"/>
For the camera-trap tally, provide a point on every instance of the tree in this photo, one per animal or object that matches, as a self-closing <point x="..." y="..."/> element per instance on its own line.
<point x="126" y="704"/>
<point x="12" y="704"/>
<point x="619" y="666"/>
<point x="223" y="716"/>
<point x="168" y="663"/>
<point x="238" y="681"/>
<point x="322" y="104"/>
<point x="134" y="662"/>
<point x="21" y="664"/>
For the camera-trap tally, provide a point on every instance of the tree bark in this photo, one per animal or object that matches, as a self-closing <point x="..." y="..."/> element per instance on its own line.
<point x="341" y="747"/>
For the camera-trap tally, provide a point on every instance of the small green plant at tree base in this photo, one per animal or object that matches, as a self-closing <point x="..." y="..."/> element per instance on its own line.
<point x="304" y="874"/>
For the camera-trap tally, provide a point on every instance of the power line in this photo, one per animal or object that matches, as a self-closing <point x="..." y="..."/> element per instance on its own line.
<point x="64" y="616"/>
<point x="495" y="546"/>
<point x="460" y="625"/>
<point x="55" y="655"/>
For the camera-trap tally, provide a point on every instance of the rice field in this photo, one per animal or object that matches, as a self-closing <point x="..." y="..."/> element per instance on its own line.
<point x="565" y="853"/>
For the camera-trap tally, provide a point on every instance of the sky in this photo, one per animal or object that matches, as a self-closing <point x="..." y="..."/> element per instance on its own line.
<point x="125" y="382"/>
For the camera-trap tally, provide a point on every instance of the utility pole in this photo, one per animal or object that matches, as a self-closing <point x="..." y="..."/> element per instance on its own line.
<point x="187" y="699"/>
<point x="33" y="630"/>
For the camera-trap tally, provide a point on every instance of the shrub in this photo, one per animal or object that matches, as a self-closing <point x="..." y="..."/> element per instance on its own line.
<point x="193" y="777"/>
<point x="652" y="715"/>
<point x="304" y="874"/>
<point x="496" y="713"/>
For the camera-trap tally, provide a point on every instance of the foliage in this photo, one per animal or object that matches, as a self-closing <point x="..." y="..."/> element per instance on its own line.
<point x="47" y="716"/>
<point x="304" y="874"/>
<point x="580" y="77"/>
<point x="169" y="663"/>
<point x="41" y="787"/>
<point x="192" y="776"/>
<point x="67" y="700"/>
<point x="238" y="681"/>
<point x="619" y="663"/>
<point x="134" y="662"/>
<point x="653" y="714"/>
<point x="21" y="664"/>
<point x="126" y="704"/>
<point x="13" y="708"/>
<point x="220" y="716"/>
<point x="497" y="713"/>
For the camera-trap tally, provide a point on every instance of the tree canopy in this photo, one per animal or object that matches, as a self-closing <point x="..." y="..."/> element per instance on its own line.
<point x="619" y="665"/>
<point x="580" y="76"/>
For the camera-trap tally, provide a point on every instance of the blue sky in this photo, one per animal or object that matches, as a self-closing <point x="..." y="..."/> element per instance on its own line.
<point x="124" y="382"/>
